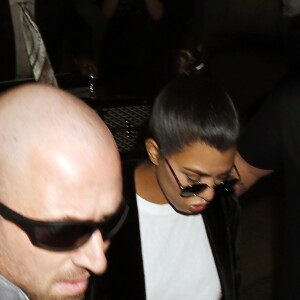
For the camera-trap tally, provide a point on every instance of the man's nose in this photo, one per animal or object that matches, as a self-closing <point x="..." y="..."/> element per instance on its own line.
<point x="91" y="255"/>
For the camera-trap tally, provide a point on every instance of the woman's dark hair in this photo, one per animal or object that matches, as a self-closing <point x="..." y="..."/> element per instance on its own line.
<point x="193" y="108"/>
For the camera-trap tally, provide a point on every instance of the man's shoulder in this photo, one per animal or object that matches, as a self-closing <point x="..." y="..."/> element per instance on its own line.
<point x="9" y="291"/>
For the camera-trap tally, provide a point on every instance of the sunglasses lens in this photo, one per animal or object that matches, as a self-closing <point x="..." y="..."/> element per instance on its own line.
<point x="196" y="189"/>
<point x="62" y="237"/>
<point x="193" y="190"/>
<point x="226" y="187"/>
<point x="111" y="226"/>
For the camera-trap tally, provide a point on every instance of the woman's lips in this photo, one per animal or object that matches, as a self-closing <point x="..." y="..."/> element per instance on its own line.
<point x="196" y="208"/>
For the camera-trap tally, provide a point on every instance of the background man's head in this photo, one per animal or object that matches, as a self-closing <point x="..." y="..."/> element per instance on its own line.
<point x="58" y="162"/>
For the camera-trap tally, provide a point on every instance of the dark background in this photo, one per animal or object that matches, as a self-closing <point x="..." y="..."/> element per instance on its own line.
<point x="244" y="49"/>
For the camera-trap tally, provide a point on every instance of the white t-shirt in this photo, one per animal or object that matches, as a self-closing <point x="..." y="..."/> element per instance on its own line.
<point x="177" y="258"/>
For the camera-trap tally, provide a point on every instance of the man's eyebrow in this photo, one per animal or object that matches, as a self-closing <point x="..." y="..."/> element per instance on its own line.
<point x="119" y="209"/>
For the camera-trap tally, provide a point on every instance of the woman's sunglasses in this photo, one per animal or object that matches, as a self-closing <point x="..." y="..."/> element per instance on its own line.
<point x="64" y="236"/>
<point x="196" y="189"/>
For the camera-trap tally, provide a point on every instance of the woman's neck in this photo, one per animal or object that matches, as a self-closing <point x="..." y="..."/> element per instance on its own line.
<point x="146" y="183"/>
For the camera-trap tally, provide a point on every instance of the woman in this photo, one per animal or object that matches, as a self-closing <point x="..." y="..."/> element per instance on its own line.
<point x="180" y="237"/>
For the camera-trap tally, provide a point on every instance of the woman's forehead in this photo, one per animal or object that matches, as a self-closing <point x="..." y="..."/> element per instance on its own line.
<point x="204" y="159"/>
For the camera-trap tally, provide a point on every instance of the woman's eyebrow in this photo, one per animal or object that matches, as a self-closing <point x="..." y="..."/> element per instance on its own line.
<point x="201" y="173"/>
<point x="196" y="171"/>
<point x="225" y="173"/>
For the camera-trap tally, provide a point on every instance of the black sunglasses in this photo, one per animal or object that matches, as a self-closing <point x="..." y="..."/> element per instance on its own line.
<point x="196" y="189"/>
<point x="64" y="236"/>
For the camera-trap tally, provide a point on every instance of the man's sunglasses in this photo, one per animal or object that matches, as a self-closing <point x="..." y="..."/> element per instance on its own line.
<point x="195" y="189"/>
<point x="64" y="236"/>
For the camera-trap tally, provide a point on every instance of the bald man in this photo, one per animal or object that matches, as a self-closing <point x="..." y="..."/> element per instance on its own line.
<point x="60" y="194"/>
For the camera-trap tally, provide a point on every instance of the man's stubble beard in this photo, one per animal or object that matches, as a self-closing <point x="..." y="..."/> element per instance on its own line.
<point x="67" y="276"/>
<point x="37" y="297"/>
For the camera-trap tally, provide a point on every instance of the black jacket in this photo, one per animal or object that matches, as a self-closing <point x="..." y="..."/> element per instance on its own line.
<point x="124" y="278"/>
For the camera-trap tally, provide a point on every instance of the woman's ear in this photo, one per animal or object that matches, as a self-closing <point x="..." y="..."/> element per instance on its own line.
<point x="152" y="150"/>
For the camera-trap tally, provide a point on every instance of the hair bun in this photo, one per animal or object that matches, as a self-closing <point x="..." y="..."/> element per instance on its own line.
<point x="186" y="63"/>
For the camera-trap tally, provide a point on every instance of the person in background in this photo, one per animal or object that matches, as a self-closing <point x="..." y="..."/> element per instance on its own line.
<point x="62" y="30"/>
<point x="131" y="45"/>
<point x="270" y="142"/>
<point x="180" y="240"/>
<point x="290" y="26"/>
<point x="138" y="44"/>
<point x="60" y="194"/>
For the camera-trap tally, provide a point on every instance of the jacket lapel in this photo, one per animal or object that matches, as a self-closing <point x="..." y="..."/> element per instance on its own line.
<point x="124" y="278"/>
<point x="218" y="227"/>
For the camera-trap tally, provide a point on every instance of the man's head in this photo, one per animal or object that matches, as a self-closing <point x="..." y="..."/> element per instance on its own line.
<point x="58" y="163"/>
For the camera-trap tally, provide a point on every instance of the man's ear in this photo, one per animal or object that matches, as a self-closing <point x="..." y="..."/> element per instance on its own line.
<point x="152" y="150"/>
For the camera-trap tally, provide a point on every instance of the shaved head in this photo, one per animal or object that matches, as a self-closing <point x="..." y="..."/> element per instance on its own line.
<point x="37" y="119"/>
<point x="58" y="161"/>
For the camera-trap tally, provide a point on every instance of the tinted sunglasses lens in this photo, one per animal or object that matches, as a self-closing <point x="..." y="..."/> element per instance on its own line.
<point x="62" y="237"/>
<point x="193" y="190"/>
<point x="226" y="187"/>
<point x="111" y="226"/>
